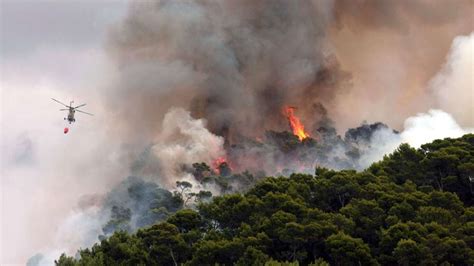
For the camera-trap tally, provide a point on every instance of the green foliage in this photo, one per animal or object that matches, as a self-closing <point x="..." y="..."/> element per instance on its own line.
<point x="145" y="201"/>
<point x="445" y="165"/>
<point x="412" y="208"/>
<point x="408" y="252"/>
<point x="253" y="256"/>
<point x="186" y="220"/>
<point x="200" y="170"/>
<point x="119" y="221"/>
<point x="65" y="261"/>
<point x="346" y="250"/>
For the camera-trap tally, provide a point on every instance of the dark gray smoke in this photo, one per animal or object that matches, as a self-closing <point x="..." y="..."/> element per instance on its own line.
<point x="235" y="63"/>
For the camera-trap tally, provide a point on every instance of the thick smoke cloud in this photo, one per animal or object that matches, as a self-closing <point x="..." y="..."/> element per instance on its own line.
<point x="454" y="83"/>
<point x="232" y="64"/>
<point x="398" y="15"/>
<point x="182" y="142"/>
<point x="426" y="127"/>
<point x="235" y="64"/>
<point x="393" y="49"/>
<point x="417" y="130"/>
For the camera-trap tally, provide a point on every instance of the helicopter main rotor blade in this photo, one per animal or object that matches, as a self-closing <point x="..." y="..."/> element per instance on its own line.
<point x="79" y="106"/>
<point x="59" y="102"/>
<point x="63" y="109"/>
<point x="83" y="112"/>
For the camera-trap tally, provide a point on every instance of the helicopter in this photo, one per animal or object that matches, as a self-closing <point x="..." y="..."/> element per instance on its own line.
<point x="72" y="110"/>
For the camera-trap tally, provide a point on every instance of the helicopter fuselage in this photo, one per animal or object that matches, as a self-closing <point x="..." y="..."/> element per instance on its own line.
<point x="70" y="117"/>
<point x="71" y="110"/>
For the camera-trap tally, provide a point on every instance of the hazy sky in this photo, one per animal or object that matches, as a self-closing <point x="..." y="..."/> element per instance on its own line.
<point x="50" y="49"/>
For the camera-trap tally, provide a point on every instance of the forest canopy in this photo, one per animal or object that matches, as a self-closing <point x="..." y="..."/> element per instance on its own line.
<point x="414" y="207"/>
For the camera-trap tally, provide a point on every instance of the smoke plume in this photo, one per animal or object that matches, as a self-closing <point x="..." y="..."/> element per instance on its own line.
<point x="418" y="130"/>
<point x="454" y="83"/>
<point x="234" y="63"/>
<point x="196" y="81"/>
<point x="393" y="49"/>
<point x="182" y="142"/>
<point x="238" y="63"/>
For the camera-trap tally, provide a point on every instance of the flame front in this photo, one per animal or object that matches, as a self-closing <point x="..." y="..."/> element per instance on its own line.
<point x="216" y="164"/>
<point x="295" y="124"/>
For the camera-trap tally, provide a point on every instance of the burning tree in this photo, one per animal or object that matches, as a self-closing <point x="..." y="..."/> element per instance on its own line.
<point x="296" y="126"/>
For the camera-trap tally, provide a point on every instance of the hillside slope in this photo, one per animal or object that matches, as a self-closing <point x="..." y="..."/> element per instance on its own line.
<point x="412" y="208"/>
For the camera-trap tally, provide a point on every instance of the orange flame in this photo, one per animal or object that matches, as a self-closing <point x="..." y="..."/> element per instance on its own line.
<point x="295" y="124"/>
<point x="217" y="163"/>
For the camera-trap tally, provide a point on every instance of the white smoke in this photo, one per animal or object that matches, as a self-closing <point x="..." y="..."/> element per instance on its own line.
<point x="52" y="49"/>
<point x="418" y="130"/>
<point x="382" y="142"/>
<point x="184" y="141"/>
<point x="79" y="230"/>
<point x="454" y="83"/>
<point x="44" y="172"/>
<point x="426" y="127"/>
<point x="453" y="87"/>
